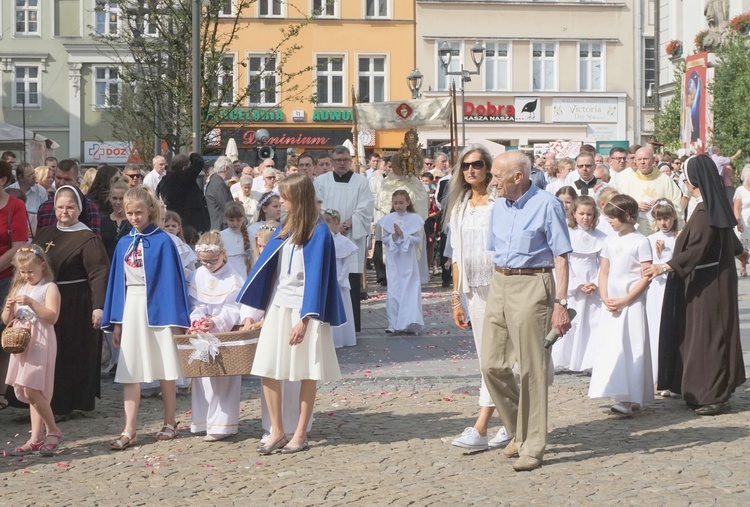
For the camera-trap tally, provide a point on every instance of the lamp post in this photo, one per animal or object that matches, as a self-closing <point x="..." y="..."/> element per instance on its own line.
<point x="414" y="80"/>
<point x="477" y="56"/>
<point x="196" y="106"/>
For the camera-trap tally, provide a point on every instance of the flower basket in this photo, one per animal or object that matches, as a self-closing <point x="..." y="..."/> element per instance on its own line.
<point x="699" y="40"/>
<point x="740" y="23"/>
<point x="217" y="355"/>
<point x="674" y="48"/>
<point x="16" y="336"/>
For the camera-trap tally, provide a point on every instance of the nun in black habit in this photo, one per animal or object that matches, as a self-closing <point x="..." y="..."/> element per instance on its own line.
<point x="700" y="355"/>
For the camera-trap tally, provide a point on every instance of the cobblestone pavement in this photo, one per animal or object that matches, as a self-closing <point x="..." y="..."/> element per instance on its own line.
<point x="382" y="436"/>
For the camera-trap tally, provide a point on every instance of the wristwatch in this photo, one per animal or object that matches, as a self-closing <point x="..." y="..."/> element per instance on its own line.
<point x="562" y="302"/>
<point x="664" y="268"/>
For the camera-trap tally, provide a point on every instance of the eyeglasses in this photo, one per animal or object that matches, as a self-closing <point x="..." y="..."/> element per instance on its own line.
<point x="477" y="164"/>
<point x="134" y="176"/>
<point x="428" y="163"/>
<point x="341" y="160"/>
<point x="209" y="262"/>
<point x="617" y="158"/>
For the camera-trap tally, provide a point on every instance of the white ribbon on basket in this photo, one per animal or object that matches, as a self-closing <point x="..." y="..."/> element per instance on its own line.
<point x="205" y="347"/>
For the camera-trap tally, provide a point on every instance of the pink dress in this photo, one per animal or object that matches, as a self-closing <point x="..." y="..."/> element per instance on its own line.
<point x="34" y="367"/>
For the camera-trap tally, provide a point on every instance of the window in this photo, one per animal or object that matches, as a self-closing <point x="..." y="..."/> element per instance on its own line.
<point x="649" y="69"/>
<point x="591" y="67"/>
<point x="497" y="66"/>
<point x="106" y="87"/>
<point x="223" y="88"/>
<point x="28" y="83"/>
<point x="269" y="7"/>
<point x="263" y="80"/>
<point x="324" y="8"/>
<point x="544" y="66"/>
<point x="444" y="80"/>
<point x="141" y="22"/>
<point x="27" y="17"/>
<point x="107" y="17"/>
<point x="226" y="8"/>
<point x="372" y="78"/>
<point x="330" y="74"/>
<point x="376" y="8"/>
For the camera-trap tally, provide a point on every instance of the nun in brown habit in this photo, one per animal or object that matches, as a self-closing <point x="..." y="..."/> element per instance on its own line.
<point x="700" y="355"/>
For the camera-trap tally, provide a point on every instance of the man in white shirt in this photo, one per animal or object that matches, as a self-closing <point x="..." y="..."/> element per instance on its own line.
<point x="153" y="178"/>
<point x="440" y="165"/>
<point x="236" y="189"/>
<point x="35" y="193"/>
<point x="372" y="165"/>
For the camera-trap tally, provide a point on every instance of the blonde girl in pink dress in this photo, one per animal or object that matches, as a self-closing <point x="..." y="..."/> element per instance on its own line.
<point x="33" y="296"/>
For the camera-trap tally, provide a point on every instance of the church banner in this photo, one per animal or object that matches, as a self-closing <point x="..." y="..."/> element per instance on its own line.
<point x="696" y="118"/>
<point x="405" y="114"/>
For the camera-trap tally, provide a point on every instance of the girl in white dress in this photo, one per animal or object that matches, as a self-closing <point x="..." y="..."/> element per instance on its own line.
<point x="269" y="210"/>
<point x="741" y="208"/>
<point x="236" y="239"/>
<point x="402" y="236"/>
<point x="602" y="199"/>
<point x="294" y="282"/>
<point x="253" y="319"/>
<point x="662" y="249"/>
<point x="343" y="336"/>
<point x="573" y="352"/>
<point x="146" y="272"/>
<point x="622" y="358"/>
<point x="212" y="292"/>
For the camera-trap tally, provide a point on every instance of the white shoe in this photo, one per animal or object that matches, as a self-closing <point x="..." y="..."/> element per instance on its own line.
<point x="214" y="437"/>
<point x="471" y="439"/>
<point x="265" y="437"/>
<point x="501" y="439"/>
<point x="625" y="408"/>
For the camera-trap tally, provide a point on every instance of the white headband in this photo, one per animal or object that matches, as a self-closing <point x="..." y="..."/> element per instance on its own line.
<point x="208" y="248"/>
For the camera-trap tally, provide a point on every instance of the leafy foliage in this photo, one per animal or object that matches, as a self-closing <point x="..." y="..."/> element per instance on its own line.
<point x="731" y="92"/>
<point x="153" y="50"/>
<point x="667" y="119"/>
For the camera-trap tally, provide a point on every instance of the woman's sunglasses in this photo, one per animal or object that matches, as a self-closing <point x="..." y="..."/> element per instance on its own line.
<point x="477" y="164"/>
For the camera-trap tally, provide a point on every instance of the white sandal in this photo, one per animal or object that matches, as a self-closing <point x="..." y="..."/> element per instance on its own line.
<point x="119" y="444"/>
<point x="167" y="432"/>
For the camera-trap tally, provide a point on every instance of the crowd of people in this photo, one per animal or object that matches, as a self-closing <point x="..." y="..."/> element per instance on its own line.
<point x="639" y="245"/>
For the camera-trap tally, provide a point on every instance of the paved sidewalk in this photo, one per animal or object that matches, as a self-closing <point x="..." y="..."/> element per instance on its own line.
<point x="382" y="436"/>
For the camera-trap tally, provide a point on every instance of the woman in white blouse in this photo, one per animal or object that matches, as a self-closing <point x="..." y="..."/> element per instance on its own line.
<point x="469" y="209"/>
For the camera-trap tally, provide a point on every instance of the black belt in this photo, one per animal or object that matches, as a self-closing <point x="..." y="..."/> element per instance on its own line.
<point x="522" y="271"/>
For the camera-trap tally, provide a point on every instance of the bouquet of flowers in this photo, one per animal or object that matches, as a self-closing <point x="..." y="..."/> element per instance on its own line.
<point x="740" y="23"/>
<point x="674" y="48"/>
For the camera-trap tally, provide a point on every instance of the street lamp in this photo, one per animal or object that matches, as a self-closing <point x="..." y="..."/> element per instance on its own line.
<point x="414" y="80"/>
<point x="196" y="55"/>
<point x="477" y="56"/>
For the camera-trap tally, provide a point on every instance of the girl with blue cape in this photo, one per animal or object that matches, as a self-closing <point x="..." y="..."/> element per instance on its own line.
<point x="146" y="299"/>
<point x="294" y="282"/>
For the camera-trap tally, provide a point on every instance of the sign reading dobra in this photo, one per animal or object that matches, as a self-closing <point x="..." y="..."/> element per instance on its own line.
<point x="489" y="112"/>
<point x="584" y="110"/>
<point x="333" y="115"/>
<point x="288" y="137"/>
<point x="248" y="114"/>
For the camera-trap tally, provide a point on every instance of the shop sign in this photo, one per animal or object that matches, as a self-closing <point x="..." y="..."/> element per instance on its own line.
<point x="333" y="115"/>
<point x="581" y="110"/>
<point x="288" y="137"/>
<point x="110" y="152"/>
<point x="238" y="114"/>
<point x="489" y="112"/>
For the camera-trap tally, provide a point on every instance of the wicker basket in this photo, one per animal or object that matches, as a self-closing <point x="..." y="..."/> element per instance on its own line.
<point x="16" y="336"/>
<point x="235" y="355"/>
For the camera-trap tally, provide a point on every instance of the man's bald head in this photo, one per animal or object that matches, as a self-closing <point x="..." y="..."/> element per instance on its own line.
<point x="510" y="174"/>
<point x="644" y="160"/>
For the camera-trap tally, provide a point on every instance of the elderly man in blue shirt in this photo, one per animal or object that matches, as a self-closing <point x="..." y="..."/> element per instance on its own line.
<point x="529" y="236"/>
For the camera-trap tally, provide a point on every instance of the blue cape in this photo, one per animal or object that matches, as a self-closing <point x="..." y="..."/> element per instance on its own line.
<point x="166" y="290"/>
<point x="321" y="298"/>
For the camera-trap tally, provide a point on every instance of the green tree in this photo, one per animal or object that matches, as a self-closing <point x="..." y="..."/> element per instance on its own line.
<point x="154" y="54"/>
<point x="667" y="119"/>
<point x="731" y="92"/>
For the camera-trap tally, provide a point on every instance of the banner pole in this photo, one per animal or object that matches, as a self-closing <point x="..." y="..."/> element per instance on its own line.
<point x="355" y="133"/>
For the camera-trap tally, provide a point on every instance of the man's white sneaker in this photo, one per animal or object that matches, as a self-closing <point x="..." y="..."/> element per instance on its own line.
<point x="501" y="439"/>
<point x="471" y="439"/>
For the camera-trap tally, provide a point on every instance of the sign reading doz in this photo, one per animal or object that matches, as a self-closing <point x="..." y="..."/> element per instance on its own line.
<point x="489" y="112"/>
<point x="109" y="152"/>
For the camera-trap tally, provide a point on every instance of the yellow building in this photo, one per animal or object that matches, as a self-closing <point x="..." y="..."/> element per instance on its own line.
<point x="367" y="45"/>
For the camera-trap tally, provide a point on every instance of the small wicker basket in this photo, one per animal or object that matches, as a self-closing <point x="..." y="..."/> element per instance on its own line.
<point x="235" y="355"/>
<point x="16" y="336"/>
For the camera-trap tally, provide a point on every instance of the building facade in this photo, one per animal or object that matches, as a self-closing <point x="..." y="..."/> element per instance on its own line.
<point x="362" y="45"/>
<point x="55" y="77"/>
<point x="553" y="70"/>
